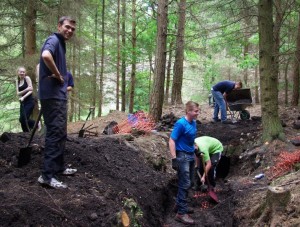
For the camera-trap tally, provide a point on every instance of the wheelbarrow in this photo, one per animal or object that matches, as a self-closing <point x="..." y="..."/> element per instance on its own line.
<point x="238" y="100"/>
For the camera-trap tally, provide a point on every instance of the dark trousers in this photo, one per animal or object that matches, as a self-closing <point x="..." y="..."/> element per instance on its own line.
<point x="26" y="109"/>
<point x="55" y="119"/>
<point x="215" y="158"/>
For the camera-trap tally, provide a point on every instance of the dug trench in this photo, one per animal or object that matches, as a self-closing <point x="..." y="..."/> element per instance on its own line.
<point x="120" y="178"/>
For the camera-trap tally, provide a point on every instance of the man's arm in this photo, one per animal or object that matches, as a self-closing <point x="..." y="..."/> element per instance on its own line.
<point x="225" y="100"/>
<point x="172" y="148"/>
<point x="49" y="61"/>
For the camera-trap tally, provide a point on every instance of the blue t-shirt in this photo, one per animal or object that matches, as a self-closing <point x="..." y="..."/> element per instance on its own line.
<point x="70" y="79"/>
<point x="225" y="86"/>
<point x="184" y="134"/>
<point x="51" y="88"/>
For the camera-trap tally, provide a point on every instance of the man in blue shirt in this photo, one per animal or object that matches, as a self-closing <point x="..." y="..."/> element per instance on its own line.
<point x="181" y="145"/>
<point x="219" y="92"/>
<point x="70" y="81"/>
<point x="53" y="98"/>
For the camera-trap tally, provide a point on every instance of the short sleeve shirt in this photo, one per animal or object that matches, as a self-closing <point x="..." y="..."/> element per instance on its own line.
<point x="184" y="134"/>
<point x="50" y="88"/>
<point x="225" y="86"/>
<point x="70" y="79"/>
<point x="209" y="146"/>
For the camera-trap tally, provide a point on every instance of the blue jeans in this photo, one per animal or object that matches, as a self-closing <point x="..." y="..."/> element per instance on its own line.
<point x="219" y="104"/>
<point x="55" y="118"/>
<point x="186" y="165"/>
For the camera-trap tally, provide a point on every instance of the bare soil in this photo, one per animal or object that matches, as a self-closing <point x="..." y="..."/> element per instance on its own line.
<point x="132" y="174"/>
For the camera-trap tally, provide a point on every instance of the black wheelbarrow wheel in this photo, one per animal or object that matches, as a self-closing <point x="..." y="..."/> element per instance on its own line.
<point x="244" y="114"/>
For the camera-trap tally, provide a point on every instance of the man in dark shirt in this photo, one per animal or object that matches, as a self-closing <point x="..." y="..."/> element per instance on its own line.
<point x="70" y="81"/>
<point x="219" y="92"/>
<point x="53" y="98"/>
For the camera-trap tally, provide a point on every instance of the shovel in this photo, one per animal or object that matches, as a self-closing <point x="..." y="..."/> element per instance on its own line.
<point x="203" y="187"/>
<point x="25" y="152"/>
<point x="211" y="192"/>
<point x="82" y="130"/>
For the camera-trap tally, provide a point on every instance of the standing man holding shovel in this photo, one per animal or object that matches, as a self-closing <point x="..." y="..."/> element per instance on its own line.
<point x="53" y="98"/>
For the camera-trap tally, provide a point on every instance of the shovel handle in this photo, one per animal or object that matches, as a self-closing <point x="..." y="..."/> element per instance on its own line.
<point x="91" y="110"/>
<point x="35" y="127"/>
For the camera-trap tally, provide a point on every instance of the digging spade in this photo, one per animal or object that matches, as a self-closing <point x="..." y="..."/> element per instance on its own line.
<point x="82" y="130"/>
<point x="25" y="152"/>
<point x="211" y="191"/>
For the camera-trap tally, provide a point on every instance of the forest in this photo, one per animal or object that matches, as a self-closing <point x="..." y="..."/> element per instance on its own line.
<point x="152" y="56"/>
<point x="142" y="55"/>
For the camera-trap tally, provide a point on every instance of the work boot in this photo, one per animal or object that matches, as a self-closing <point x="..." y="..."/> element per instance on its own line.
<point x="185" y="219"/>
<point x="227" y="121"/>
<point x="189" y="210"/>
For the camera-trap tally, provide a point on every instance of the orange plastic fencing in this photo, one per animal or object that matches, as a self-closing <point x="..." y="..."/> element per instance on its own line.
<point x="139" y="121"/>
<point x="284" y="164"/>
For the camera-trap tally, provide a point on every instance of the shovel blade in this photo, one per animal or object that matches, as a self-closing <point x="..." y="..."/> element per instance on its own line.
<point x="213" y="195"/>
<point x="24" y="156"/>
<point x="81" y="133"/>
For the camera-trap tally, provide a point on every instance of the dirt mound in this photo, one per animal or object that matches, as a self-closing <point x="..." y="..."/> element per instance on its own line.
<point x="132" y="173"/>
<point x="109" y="175"/>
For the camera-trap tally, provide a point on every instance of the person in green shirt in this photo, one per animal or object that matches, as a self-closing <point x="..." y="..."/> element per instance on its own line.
<point x="208" y="151"/>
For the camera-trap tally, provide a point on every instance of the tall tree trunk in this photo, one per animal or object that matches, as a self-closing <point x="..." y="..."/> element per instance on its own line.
<point x="286" y="82"/>
<point x="167" y="95"/>
<point x="277" y="28"/>
<point x="295" y="96"/>
<point x="123" y="65"/>
<point x="71" y="94"/>
<point x="30" y="44"/>
<point x="272" y="128"/>
<point x="256" y="95"/>
<point x="157" y="93"/>
<point x="78" y="79"/>
<point x="133" y="64"/>
<point x="94" y="84"/>
<point x="179" y="56"/>
<point x="101" y="92"/>
<point x="118" y="59"/>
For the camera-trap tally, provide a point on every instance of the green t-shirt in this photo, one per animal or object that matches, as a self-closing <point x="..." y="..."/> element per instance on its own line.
<point x="209" y="146"/>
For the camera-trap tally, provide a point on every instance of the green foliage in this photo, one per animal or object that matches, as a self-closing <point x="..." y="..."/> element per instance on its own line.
<point x="141" y="93"/>
<point x="135" y="211"/>
<point x="248" y="62"/>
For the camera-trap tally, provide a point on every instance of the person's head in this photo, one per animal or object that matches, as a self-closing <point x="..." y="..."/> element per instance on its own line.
<point x="21" y="71"/>
<point x="66" y="27"/>
<point x="192" y="110"/>
<point x="238" y="85"/>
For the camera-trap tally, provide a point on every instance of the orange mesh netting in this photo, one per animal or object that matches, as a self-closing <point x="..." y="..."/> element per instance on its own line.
<point x="140" y="121"/>
<point x="284" y="163"/>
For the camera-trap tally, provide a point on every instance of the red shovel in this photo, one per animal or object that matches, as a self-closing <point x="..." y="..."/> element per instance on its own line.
<point x="211" y="191"/>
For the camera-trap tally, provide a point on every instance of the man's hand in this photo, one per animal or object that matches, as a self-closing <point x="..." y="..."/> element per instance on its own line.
<point x="60" y="78"/>
<point x="203" y="179"/>
<point x="174" y="164"/>
<point x="21" y="99"/>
